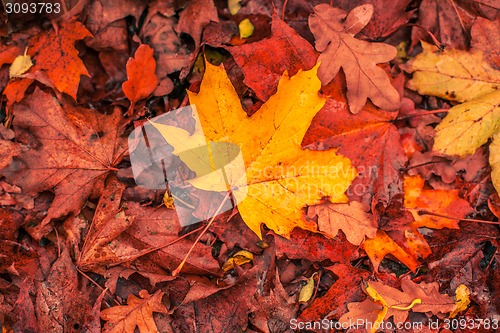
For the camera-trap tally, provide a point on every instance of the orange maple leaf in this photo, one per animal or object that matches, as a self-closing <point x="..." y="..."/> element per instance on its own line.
<point x="56" y="57"/>
<point x="141" y="75"/>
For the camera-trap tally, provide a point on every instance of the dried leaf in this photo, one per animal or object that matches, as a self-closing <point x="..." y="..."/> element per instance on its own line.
<point x="385" y="19"/>
<point x="88" y="147"/>
<point x="462" y="299"/>
<point x="468" y="126"/>
<point x="380" y="246"/>
<point x="352" y="218"/>
<point x="239" y="258"/>
<point x="370" y="140"/>
<point x="345" y="290"/>
<point x="334" y="32"/>
<point x="138" y="313"/>
<point x="307" y="290"/>
<point x="194" y="18"/>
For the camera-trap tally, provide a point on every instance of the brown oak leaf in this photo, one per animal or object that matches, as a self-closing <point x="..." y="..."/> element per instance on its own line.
<point x="334" y="32"/>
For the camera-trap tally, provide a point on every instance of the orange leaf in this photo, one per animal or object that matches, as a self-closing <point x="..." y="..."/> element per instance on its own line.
<point x="352" y="218"/>
<point x="443" y="202"/>
<point x="382" y="245"/>
<point x="141" y="75"/>
<point x="55" y="54"/>
<point x="138" y="313"/>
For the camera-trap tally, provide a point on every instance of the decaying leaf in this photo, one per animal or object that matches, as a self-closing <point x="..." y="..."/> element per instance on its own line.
<point x="352" y="218"/>
<point x="334" y="31"/>
<point x="123" y="233"/>
<point x="141" y="76"/>
<point x="101" y="247"/>
<point x="194" y="18"/>
<point x="385" y="302"/>
<point x="88" y="147"/>
<point x="281" y="177"/>
<point x="138" y="313"/>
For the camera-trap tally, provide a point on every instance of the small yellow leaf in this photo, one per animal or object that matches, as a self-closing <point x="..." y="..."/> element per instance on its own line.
<point x="461" y="300"/>
<point x="246" y="28"/>
<point x="452" y="74"/>
<point x="234" y="6"/>
<point x="468" y="126"/>
<point x="168" y="201"/>
<point x="307" y="291"/>
<point x="20" y="65"/>
<point x="495" y="160"/>
<point x="239" y="258"/>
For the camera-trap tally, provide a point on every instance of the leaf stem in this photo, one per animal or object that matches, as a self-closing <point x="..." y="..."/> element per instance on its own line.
<point x="424" y="212"/>
<point x="181" y="265"/>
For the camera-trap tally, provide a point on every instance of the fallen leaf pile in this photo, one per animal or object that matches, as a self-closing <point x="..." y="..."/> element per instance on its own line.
<point x="250" y="166"/>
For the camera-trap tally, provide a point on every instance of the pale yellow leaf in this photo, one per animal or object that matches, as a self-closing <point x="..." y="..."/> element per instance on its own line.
<point x="308" y="290"/>
<point x="469" y="125"/>
<point x="452" y="74"/>
<point x="20" y="65"/>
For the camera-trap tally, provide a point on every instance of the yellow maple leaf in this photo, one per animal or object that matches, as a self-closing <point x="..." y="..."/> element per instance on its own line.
<point x="281" y="178"/>
<point x="463" y="76"/>
<point x="468" y="126"/>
